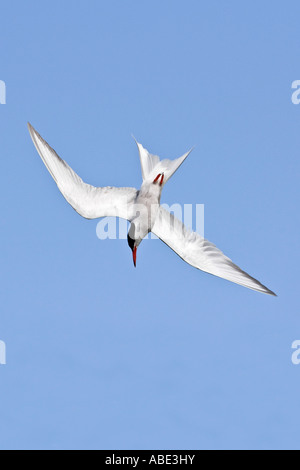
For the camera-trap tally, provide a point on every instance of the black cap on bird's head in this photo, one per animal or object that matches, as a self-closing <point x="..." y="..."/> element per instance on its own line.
<point x="133" y="247"/>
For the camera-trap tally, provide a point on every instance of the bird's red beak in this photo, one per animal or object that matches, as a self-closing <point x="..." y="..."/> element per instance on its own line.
<point x="134" y="256"/>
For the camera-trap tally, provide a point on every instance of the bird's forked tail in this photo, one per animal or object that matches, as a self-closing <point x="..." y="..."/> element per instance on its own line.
<point x="152" y="165"/>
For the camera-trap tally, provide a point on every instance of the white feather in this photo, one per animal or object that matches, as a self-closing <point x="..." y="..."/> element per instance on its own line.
<point x="88" y="201"/>
<point x="201" y="253"/>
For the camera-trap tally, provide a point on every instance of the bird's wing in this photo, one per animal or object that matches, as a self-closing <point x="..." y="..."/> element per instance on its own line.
<point x="88" y="201"/>
<point x="152" y="165"/>
<point x="201" y="253"/>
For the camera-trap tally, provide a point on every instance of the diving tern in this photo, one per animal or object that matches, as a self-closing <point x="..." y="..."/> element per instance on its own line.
<point x="143" y="210"/>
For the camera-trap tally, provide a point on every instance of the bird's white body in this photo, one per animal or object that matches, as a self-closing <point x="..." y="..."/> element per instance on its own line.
<point x="145" y="210"/>
<point x="142" y="208"/>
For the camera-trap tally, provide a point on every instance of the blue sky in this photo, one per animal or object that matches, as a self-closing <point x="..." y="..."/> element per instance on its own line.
<point x="102" y="355"/>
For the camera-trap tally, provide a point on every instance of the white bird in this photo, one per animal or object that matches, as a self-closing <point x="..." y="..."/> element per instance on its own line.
<point x="142" y="208"/>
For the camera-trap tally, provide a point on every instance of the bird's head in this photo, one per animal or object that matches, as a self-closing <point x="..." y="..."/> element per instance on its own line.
<point x="133" y="246"/>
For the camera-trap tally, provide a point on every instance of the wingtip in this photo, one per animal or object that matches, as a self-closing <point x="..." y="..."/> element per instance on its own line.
<point x="31" y="129"/>
<point x="193" y="148"/>
<point x="268" y="291"/>
<point x="272" y="293"/>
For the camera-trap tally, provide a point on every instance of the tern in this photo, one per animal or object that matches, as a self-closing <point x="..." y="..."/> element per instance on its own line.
<point x="143" y="210"/>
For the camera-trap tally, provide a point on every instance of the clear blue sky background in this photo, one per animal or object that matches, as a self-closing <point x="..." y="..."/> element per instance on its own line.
<point x="102" y="355"/>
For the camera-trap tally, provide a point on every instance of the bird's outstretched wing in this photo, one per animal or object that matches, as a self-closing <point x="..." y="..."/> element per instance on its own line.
<point x="201" y="253"/>
<point x="88" y="201"/>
